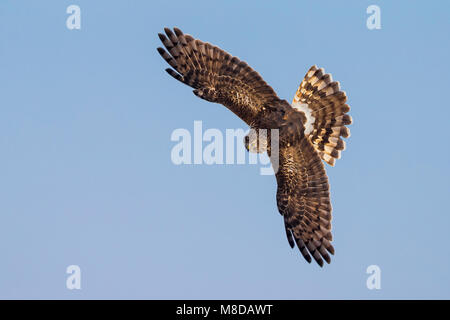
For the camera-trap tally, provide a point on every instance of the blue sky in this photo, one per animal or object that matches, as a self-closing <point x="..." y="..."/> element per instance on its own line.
<point x="86" y="176"/>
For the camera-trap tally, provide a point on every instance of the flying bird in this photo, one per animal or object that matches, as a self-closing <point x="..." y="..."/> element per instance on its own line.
<point x="310" y="129"/>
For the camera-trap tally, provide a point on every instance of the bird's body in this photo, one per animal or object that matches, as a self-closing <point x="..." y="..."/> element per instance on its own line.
<point x="309" y="130"/>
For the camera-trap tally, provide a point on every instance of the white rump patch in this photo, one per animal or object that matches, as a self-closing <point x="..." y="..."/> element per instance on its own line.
<point x="303" y="107"/>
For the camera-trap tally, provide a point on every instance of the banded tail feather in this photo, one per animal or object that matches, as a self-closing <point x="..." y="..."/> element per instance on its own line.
<point x="323" y="104"/>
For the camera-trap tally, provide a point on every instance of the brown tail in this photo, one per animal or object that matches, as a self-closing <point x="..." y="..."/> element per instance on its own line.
<point x="323" y="104"/>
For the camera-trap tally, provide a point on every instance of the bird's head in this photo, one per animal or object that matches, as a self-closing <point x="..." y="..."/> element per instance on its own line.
<point x="255" y="143"/>
<point x="247" y="143"/>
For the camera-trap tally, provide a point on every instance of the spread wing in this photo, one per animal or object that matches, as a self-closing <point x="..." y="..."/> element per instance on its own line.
<point x="216" y="76"/>
<point x="303" y="200"/>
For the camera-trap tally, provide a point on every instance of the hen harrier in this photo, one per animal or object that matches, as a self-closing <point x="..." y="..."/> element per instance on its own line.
<point x="310" y="130"/>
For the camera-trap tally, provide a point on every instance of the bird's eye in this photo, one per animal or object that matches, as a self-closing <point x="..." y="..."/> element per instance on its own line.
<point x="246" y="142"/>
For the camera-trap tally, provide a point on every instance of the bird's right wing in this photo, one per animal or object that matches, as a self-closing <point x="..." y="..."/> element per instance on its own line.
<point x="216" y="76"/>
<point x="303" y="199"/>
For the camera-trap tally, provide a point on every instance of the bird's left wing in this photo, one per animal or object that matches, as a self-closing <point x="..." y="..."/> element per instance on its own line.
<point x="304" y="201"/>
<point x="216" y="76"/>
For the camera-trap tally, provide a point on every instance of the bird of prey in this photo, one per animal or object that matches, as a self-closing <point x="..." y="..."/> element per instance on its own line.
<point x="310" y="130"/>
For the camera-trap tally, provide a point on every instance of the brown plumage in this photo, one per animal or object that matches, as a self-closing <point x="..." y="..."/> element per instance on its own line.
<point x="310" y="130"/>
<point x="327" y="113"/>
